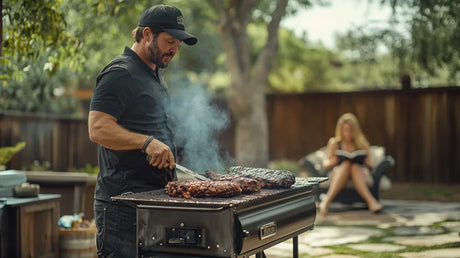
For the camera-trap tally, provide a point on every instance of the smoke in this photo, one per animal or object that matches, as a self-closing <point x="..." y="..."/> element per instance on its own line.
<point x="197" y="124"/>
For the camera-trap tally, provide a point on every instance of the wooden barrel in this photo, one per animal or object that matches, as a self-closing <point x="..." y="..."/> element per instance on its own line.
<point x="77" y="242"/>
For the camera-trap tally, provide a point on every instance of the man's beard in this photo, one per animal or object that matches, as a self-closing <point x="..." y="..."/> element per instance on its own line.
<point x="156" y="56"/>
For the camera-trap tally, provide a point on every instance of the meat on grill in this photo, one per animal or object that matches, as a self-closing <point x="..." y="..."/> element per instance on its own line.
<point x="188" y="189"/>
<point x="248" y="185"/>
<point x="271" y="178"/>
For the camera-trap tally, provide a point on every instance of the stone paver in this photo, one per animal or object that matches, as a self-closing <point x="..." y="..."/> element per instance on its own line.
<point x="411" y="221"/>
<point x="377" y="247"/>
<point x="326" y="235"/>
<point x="427" y="218"/>
<point x="430" y="240"/>
<point x="284" y="250"/>
<point x="395" y="213"/>
<point x="452" y="226"/>
<point x="356" y="217"/>
<point x="438" y="253"/>
<point x="420" y="213"/>
<point x="417" y="230"/>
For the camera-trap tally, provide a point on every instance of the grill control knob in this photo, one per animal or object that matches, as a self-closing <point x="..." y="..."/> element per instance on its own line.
<point x="246" y="233"/>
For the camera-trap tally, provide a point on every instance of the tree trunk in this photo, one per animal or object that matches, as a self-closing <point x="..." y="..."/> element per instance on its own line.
<point x="248" y="81"/>
<point x="251" y="143"/>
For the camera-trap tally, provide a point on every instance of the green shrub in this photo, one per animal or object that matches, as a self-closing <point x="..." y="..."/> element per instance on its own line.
<point x="7" y="153"/>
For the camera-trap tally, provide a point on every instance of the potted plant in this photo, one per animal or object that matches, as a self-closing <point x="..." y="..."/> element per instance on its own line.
<point x="7" y="153"/>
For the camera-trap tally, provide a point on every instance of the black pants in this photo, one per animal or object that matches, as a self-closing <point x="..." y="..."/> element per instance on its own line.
<point x="116" y="230"/>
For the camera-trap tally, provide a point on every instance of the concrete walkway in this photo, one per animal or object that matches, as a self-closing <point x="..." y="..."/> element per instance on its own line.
<point x="403" y="229"/>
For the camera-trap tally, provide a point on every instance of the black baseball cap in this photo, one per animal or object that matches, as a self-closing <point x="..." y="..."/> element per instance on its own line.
<point x="170" y="20"/>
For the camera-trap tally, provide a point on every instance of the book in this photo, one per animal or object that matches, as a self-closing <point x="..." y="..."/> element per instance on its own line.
<point x="356" y="156"/>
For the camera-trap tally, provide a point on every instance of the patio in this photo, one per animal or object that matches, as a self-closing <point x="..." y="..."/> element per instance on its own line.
<point x="404" y="229"/>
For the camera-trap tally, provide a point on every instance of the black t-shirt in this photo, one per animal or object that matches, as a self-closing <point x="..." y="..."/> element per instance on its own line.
<point x="137" y="97"/>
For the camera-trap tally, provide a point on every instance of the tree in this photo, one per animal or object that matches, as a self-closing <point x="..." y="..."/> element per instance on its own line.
<point x="422" y="35"/>
<point x="300" y="66"/>
<point x="248" y="79"/>
<point x="35" y="48"/>
<point x="434" y="28"/>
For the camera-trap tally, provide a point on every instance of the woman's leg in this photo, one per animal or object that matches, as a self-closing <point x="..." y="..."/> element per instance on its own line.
<point x="359" y="181"/>
<point x="338" y="180"/>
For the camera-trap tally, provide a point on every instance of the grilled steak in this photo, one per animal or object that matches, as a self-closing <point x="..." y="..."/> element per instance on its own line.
<point x="270" y="178"/>
<point x="188" y="189"/>
<point x="248" y="185"/>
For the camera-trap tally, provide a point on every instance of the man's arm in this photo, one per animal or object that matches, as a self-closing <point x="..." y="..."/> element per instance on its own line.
<point x="104" y="129"/>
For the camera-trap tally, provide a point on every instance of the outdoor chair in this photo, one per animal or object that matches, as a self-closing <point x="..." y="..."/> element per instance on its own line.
<point x="377" y="180"/>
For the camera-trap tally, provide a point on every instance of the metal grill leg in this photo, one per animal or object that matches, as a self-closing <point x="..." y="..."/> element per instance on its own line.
<point x="295" y="247"/>
<point x="261" y="255"/>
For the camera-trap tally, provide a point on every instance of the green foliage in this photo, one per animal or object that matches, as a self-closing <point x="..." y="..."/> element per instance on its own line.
<point x="31" y="26"/>
<point x="40" y="166"/>
<point x="422" y="37"/>
<point x="38" y="55"/>
<point x="349" y="74"/>
<point x="52" y="47"/>
<point x="40" y="88"/>
<point x="104" y="29"/>
<point x="90" y="169"/>
<point x="265" y="8"/>
<point x="435" y="32"/>
<point x="7" y="153"/>
<point x="299" y="66"/>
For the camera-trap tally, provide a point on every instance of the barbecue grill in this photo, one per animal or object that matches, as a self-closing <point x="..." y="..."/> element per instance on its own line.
<point x="239" y="226"/>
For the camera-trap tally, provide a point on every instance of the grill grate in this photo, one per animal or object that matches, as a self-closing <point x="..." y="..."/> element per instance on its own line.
<point x="159" y="197"/>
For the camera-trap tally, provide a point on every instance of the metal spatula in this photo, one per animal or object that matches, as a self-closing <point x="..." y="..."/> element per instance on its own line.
<point x="191" y="173"/>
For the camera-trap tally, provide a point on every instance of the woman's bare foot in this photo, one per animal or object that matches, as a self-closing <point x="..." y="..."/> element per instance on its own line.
<point x="323" y="208"/>
<point x="375" y="208"/>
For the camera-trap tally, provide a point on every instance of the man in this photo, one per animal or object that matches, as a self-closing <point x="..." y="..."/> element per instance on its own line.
<point x="129" y="120"/>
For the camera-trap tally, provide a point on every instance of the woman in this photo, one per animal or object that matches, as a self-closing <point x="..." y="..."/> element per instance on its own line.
<point x="348" y="138"/>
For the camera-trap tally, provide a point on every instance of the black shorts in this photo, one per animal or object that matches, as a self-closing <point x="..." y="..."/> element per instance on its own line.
<point x="116" y="230"/>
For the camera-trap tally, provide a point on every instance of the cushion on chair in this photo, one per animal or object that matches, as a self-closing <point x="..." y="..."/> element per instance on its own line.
<point x="377" y="154"/>
<point x="317" y="157"/>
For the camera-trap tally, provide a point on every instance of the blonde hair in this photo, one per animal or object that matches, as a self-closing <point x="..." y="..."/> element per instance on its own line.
<point x="358" y="137"/>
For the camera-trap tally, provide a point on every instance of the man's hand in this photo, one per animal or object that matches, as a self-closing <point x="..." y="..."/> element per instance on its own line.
<point x="160" y="155"/>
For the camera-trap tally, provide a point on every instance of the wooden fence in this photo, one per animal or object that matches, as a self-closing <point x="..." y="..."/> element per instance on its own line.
<point x="59" y="140"/>
<point x="419" y="128"/>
